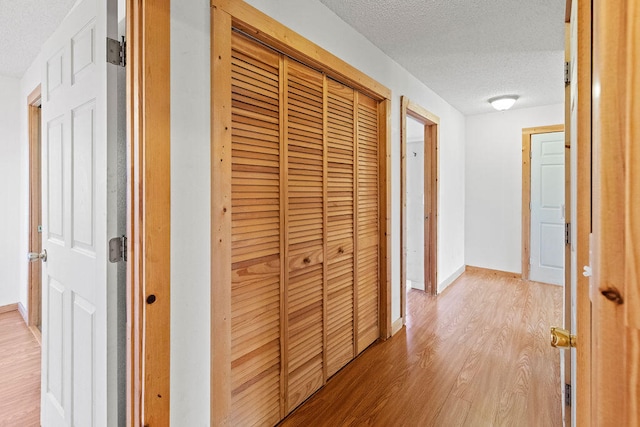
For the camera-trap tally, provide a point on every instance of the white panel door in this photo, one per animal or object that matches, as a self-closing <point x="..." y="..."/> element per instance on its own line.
<point x="547" y="205"/>
<point x="78" y="192"/>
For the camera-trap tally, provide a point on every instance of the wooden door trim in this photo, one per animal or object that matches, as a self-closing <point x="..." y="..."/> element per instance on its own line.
<point x="527" y="133"/>
<point x="34" y="297"/>
<point x="384" y="215"/>
<point x="260" y="26"/>
<point x="148" y="212"/>
<point x="235" y="14"/>
<point x="431" y="124"/>
<point x="221" y="126"/>
<point x="632" y="213"/>
<point x="583" y="213"/>
<point x="615" y="290"/>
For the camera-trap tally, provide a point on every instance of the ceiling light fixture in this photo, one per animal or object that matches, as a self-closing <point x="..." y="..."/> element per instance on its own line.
<point x="502" y="103"/>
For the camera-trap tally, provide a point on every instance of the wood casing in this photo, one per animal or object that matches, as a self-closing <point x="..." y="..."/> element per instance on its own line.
<point x="299" y="219"/>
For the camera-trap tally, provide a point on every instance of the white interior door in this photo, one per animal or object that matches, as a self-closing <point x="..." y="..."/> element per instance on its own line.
<point x="547" y="201"/>
<point x="78" y="186"/>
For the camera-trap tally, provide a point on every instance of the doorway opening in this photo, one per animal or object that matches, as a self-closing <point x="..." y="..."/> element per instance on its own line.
<point x="34" y="320"/>
<point x="419" y="141"/>
<point x="543" y="204"/>
<point x="414" y="192"/>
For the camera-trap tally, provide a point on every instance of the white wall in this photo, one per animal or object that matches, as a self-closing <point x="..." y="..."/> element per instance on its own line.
<point x="415" y="212"/>
<point x="493" y="225"/>
<point x="29" y="81"/>
<point x="190" y="213"/>
<point x="10" y="257"/>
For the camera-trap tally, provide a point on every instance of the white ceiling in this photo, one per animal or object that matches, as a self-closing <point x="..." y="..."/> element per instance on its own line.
<point x="469" y="51"/>
<point x="24" y="26"/>
<point x="465" y="51"/>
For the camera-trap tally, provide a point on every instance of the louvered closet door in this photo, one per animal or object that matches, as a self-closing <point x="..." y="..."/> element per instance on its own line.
<point x="256" y="248"/>
<point x="340" y="191"/>
<point x="305" y="231"/>
<point x="367" y="222"/>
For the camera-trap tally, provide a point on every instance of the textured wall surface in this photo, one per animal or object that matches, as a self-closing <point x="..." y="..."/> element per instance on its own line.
<point x="24" y="27"/>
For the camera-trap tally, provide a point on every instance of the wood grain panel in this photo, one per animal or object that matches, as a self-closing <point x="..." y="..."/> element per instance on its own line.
<point x="286" y="207"/>
<point x="255" y="228"/>
<point x="632" y="214"/>
<point x="149" y="210"/>
<point x="608" y="221"/>
<point x="340" y="235"/>
<point x="35" y="210"/>
<point x="368" y="265"/>
<point x="305" y="232"/>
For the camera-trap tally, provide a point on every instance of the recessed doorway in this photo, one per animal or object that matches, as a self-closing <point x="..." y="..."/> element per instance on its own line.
<point x="419" y="142"/>
<point x="35" y="214"/>
<point x="543" y="204"/>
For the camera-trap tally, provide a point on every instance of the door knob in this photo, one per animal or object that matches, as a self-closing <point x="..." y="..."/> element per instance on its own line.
<point x="35" y="256"/>
<point x="561" y="338"/>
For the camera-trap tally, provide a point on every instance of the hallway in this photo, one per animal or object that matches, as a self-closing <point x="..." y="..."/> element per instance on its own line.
<point x="477" y="355"/>
<point x="19" y="373"/>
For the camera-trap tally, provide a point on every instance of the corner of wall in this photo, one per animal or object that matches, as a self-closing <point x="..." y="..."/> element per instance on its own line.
<point x="452" y="278"/>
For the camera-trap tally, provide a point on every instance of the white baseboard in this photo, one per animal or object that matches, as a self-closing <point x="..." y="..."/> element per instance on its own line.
<point x="413" y="284"/>
<point x="449" y="280"/>
<point x="396" y="326"/>
<point x="23" y="313"/>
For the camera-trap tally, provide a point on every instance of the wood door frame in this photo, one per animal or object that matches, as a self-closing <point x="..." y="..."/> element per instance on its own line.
<point x="226" y="15"/>
<point x="527" y="133"/>
<point x="615" y="263"/>
<point x="431" y="124"/>
<point x="148" y="212"/>
<point x="582" y="228"/>
<point x="34" y="297"/>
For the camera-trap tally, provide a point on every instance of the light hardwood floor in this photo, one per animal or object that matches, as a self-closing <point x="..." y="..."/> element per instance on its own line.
<point x="477" y="355"/>
<point x="19" y="373"/>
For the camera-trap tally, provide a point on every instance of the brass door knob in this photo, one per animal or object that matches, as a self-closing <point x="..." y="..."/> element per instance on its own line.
<point x="561" y="338"/>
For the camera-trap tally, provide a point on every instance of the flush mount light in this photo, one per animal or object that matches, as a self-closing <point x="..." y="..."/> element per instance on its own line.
<point x="502" y="103"/>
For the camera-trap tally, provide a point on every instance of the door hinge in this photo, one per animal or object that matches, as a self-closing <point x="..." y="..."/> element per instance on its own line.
<point x="567" y="233"/>
<point x="117" y="52"/>
<point x="567" y="73"/>
<point x="567" y="394"/>
<point x="118" y="249"/>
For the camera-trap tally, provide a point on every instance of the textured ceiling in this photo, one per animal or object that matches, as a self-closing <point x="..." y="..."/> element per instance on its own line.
<point x="465" y="51"/>
<point x="24" y="26"/>
<point x="469" y="51"/>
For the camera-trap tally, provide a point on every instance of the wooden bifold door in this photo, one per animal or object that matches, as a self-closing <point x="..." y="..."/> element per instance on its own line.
<point x="305" y="231"/>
